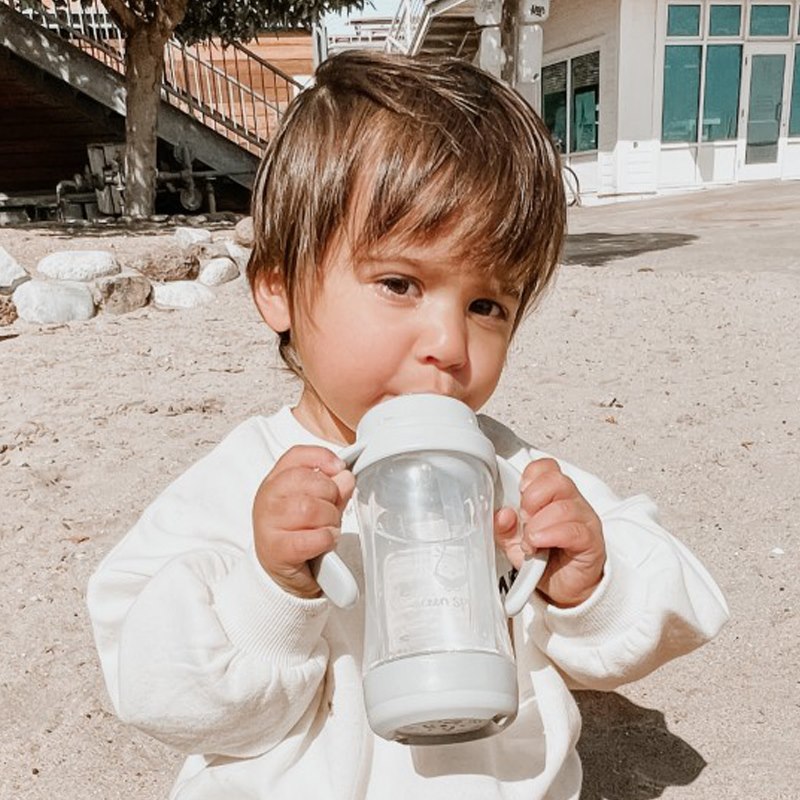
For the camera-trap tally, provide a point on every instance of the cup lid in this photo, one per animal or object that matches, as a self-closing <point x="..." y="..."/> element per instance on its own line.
<point x="416" y="422"/>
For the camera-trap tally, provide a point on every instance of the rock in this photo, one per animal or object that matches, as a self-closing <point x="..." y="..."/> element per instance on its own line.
<point x="204" y="251"/>
<point x="243" y="233"/>
<point x="13" y="216"/>
<point x="53" y="301"/>
<point x="8" y="311"/>
<point x="168" y="264"/>
<point x="217" y="271"/>
<point x="181" y="294"/>
<point x="11" y="273"/>
<point x="121" y="294"/>
<point x="240" y="254"/>
<point x="78" y="265"/>
<point x="186" y="237"/>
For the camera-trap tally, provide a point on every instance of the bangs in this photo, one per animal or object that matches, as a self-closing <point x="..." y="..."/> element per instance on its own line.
<point x="416" y="190"/>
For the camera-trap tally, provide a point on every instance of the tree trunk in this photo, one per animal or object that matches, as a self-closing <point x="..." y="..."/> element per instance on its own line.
<point x="144" y="65"/>
<point x="509" y="30"/>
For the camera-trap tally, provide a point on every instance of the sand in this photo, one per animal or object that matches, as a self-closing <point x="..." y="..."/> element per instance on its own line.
<point x="673" y="371"/>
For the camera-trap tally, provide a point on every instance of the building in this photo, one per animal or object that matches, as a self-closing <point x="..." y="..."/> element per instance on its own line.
<point x="652" y="95"/>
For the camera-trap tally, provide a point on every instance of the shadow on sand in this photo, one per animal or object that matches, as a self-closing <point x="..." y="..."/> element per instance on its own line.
<point x="627" y="751"/>
<point x="596" y="248"/>
<point x="114" y="227"/>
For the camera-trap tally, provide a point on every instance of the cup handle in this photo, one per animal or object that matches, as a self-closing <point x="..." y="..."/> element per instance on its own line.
<point x="329" y="571"/>
<point x="335" y="579"/>
<point x="534" y="565"/>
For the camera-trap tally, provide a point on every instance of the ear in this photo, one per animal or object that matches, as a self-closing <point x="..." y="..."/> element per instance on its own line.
<point x="269" y="293"/>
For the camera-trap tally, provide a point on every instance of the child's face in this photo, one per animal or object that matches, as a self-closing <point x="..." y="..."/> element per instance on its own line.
<point x="403" y="320"/>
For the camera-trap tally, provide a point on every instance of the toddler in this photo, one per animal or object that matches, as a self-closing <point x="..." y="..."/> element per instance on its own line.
<point x="407" y="216"/>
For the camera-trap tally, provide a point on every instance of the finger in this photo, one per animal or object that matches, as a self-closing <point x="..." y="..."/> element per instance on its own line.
<point x="302" y="480"/>
<point x="505" y="525"/>
<point x="571" y="537"/>
<point x="536" y="469"/>
<point x="507" y="536"/>
<point x="302" y="545"/>
<point x="311" y="457"/>
<point x="547" y="488"/>
<point x="345" y="483"/>
<point x="573" y="508"/>
<point x="299" y="511"/>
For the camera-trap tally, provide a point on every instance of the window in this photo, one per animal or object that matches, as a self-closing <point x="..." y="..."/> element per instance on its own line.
<point x="794" y="118"/>
<point x="585" y="102"/>
<point x="702" y="81"/>
<point x="721" y="102"/>
<point x="681" y="94"/>
<point x="769" y="20"/>
<point x="725" y="20"/>
<point x="571" y="102"/>
<point x="554" y="101"/>
<point x="683" y="21"/>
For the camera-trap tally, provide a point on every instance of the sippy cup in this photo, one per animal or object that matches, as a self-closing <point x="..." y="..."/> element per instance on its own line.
<point x="438" y="663"/>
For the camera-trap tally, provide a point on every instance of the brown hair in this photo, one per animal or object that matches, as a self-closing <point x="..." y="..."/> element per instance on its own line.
<point x="420" y="145"/>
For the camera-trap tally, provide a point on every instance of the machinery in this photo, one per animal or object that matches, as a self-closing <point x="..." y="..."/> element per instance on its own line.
<point x="100" y="190"/>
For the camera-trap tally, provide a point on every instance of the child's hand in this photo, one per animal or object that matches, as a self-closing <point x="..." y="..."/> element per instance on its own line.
<point x="297" y="513"/>
<point x="555" y="515"/>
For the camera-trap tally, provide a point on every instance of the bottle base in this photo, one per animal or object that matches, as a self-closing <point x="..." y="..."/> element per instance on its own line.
<point x="441" y="698"/>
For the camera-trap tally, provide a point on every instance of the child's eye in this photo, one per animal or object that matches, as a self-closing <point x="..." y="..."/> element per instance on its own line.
<point x="488" y="308"/>
<point x="398" y="286"/>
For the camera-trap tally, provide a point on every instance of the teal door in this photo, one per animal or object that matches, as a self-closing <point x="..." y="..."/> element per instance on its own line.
<point x="765" y="108"/>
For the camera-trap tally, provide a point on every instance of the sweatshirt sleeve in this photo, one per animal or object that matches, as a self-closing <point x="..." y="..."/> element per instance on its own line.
<point x="199" y="648"/>
<point x="656" y="601"/>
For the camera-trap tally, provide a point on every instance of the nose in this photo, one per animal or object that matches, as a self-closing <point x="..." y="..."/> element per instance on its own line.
<point x="443" y="341"/>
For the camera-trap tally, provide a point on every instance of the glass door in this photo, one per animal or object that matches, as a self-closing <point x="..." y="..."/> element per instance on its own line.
<point x="764" y="110"/>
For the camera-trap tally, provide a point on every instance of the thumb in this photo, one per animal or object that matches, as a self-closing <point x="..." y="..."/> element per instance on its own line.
<point x="345" y="483"/>
<point x="505" y="527"/>
<point x="506" y="536"/>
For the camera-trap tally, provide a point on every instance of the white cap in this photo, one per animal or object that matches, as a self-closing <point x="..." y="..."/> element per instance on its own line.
<point x="415" y="422"/>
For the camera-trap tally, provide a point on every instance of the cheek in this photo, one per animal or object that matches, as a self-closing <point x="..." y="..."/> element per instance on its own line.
<point x="491" y="354"/>
<point x="488" y="364"/>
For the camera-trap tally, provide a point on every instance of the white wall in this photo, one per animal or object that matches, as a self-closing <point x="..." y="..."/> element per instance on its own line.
<point x="636" y="155"/>
<point x="625" y="33"/>
<point x="576" y="27"/>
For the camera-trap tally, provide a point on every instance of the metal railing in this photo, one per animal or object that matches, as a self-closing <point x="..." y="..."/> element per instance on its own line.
<point x="408" y="23"/>
<point x="230" y="89"/>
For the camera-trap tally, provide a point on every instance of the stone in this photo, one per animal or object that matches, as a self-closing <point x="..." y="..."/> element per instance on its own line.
<point x="217" y="271"/>
<point x="205" y="251"/>
<point x="78" y="265"/>
<point x="8" y="311"/>
<point x="243" y="232"/>
<point x="49" y="302"/>
<point x="11" y="273"/>
<point x="186" y="237"/>
<point x="168" y="264"/>
<point x="121" y="294"/>
<point x="181" y="294"/>
<point x="13" y="216"/>
<point x="239" y="253"/>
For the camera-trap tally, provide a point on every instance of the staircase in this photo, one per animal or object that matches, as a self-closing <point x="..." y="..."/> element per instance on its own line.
<point x="220" y="104"/>
<point x="435" y="27"/>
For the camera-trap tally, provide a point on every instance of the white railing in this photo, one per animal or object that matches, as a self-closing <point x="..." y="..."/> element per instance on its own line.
<point x="409" y="22"/>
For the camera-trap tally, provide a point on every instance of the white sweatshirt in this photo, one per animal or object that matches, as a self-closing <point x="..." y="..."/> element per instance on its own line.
<point x="262" y="690"/>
